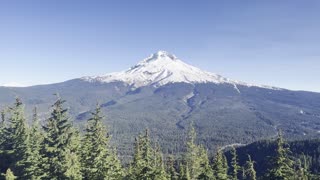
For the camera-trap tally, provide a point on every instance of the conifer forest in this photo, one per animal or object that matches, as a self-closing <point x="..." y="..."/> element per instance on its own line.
<point x="54" y="149"/>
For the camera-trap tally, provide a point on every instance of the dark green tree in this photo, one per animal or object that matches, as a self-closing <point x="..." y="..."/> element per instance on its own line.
<point x="33" y="161"/>
<point x="60" y="146"/>
<point x="234" y="164"/>
<point x="220" y="169"/>
<point x="98" y="161"/>
<point x="184" y="172"/>
<point x="196" y="158"/>
<point x="249" y="172"/>
<point x="172" y="172"/>
<point x="147" y="163"/>
<point x="15" y="139"/>
<point x="302" y="172"/>
<point x="206" y="172"/>
<point x="281" y="163"/>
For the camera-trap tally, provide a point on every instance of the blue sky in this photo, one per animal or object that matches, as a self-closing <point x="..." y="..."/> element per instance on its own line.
<point x="268" y="42"/>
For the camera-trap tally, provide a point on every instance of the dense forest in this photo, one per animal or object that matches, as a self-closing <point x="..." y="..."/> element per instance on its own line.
<point x="54" y="149"/>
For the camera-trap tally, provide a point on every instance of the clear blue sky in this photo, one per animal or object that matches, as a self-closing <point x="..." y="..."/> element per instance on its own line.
<point x="268" y="42"/>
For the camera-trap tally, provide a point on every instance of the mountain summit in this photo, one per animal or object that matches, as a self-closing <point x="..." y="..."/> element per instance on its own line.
<point x="159" y="69"/>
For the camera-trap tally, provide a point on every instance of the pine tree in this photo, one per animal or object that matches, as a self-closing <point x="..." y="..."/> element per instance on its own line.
<point x="98" y="161"/>
<point x="192" y="156"/>
<point x="281" y="163"/>
<point x="147" y="163"/>
<point x="248" y="171"/>
<point x="115" y="170"/>
<point x="60" y="150"/>
<point x="15" y="140"/>
<point x="159" y="170"/>
<point x="220" y="168"/>
<point x="206" y="172"/>
<point x="172" y="173"/>
<point x="184" y="172"/>
<point x="234" y="164"/>
<point x="9" y="175"/>
<point x="34" y="159"/>
<point x="196" y="158"/>
<point x="302" y="172"/>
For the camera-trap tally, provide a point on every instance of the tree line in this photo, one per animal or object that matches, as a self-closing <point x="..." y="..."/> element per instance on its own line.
<point x="55" y="150"/>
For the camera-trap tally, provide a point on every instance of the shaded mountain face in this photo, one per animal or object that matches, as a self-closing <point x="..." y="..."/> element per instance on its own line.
<point x="165" y="94"/>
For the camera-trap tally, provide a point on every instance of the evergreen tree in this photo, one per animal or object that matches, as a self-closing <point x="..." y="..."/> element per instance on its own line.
<point x="302" y="172"/>
<point x="248" y="171"/>
<point x="147" y="163"/>
<point x="159" y="170"/>
<point x="98" y="161"/>
<point x="234" y="164"/>
<point x="184" y="172"/>
<point x="172" y="173"/>
<point x="34" y="160"/>
<point x="15" y="140"/>
<point x="9" y="175"/>
<point x="2" y="140"/>
<point x="206" y="172"/>
<point x="196" y="158"/>
<point x="220" y="168"/>
<point x="281" y="163"/>
<point x="60" y="150"/>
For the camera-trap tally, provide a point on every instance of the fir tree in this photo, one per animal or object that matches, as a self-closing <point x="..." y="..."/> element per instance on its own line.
<point x="98" y="161"/>
<point x="59" y="150"/>
<point x="219" y="166"/>
<point x="196" y="158"/>
<point x="184" y="172"/>
<point x="302" y="172"/>
<point x="234" y="164"/>
<point x="159" y="170"/>
<point x="281" y="163"/>
<point x="248" y="171"/>
<point x="172" y="173"/>
<point x="15" y="140"/>
<point x="147" y="163"/>
<point x="34" y="160"/>
<point x="206" y="172"/>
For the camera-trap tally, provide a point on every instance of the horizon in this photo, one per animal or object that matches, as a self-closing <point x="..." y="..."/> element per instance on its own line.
<point x="48" y="42"/>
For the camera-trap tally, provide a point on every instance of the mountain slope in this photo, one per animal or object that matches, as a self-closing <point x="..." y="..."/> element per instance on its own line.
<point x="165" y="95"/>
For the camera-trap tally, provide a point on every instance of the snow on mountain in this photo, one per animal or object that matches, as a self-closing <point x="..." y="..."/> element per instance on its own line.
<point x="13" y="84"/>
<point x="162" y="68"/>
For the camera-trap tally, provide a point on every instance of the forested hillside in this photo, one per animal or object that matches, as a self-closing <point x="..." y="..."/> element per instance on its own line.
<point x="305" y="154"/>
<point x="55" y="149"/>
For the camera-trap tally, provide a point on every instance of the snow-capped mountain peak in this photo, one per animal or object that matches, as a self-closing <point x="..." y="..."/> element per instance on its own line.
<point x="159" y="69"/>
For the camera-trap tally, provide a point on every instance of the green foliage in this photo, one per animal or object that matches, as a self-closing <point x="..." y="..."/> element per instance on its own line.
<point x="9" y="175"/>
<point x="33" y="161"/>
<point x="15" y="142"/>
<point x="98" y="161"/>
<point x="281" y="163"/>
<point x="58" y="151"/>
<point x="234" y="164"/>
<point x="248" y="171"/>
<point x="172" y="172"/>
<point x="184" y="172"/>
<point x="60" y="148"/>
<point x="147" y="163"/>
<point x="220" y="167"/>
<point x="196" y="158"/>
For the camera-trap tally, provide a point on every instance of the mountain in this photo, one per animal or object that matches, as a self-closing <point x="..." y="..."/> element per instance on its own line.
<point x="165" y="94"/>
<point x="162" y="68"/>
